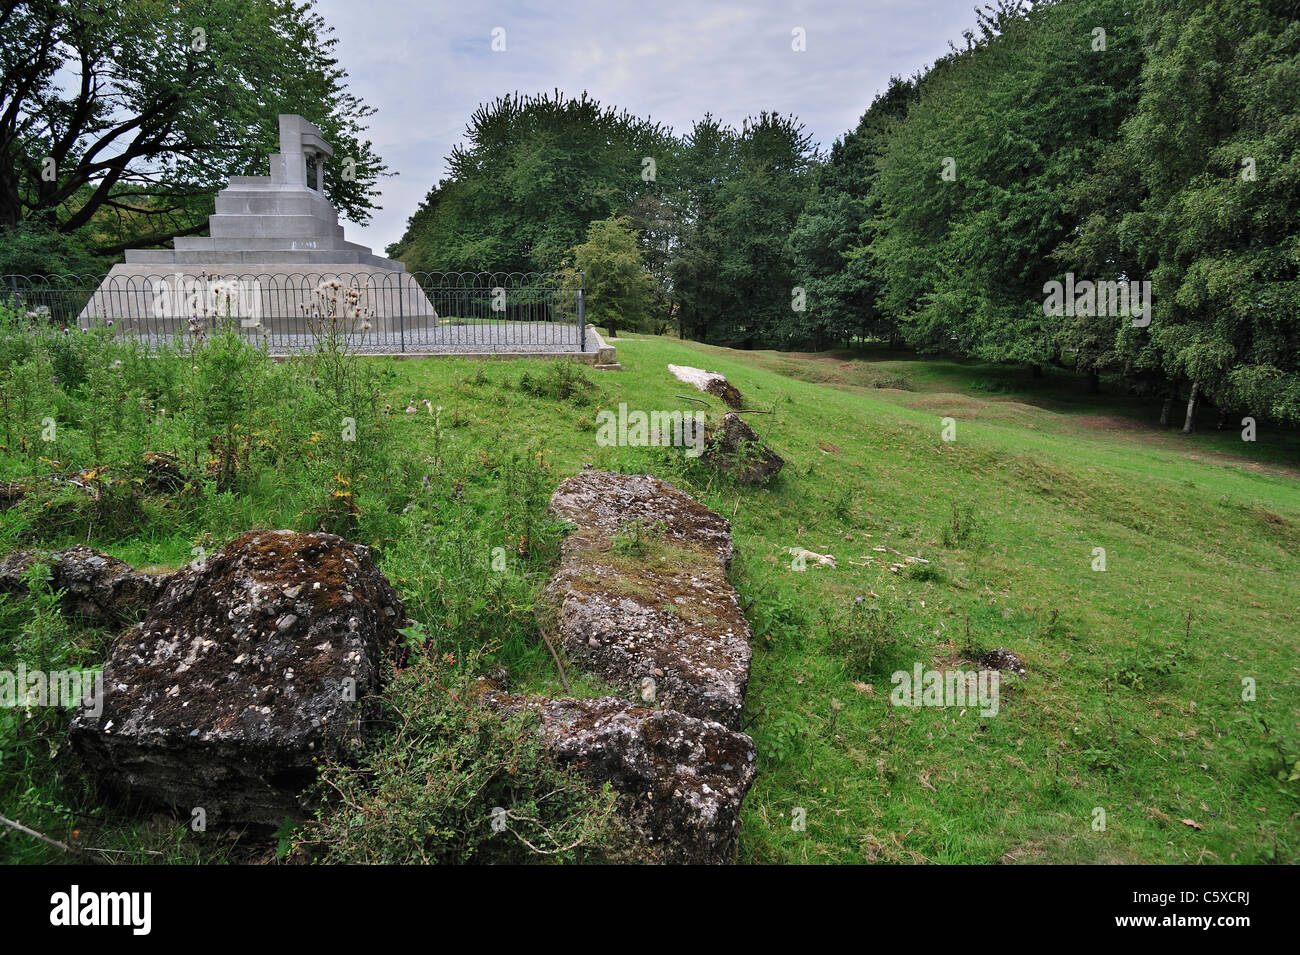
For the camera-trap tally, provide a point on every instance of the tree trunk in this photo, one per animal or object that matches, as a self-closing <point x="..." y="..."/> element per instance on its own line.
<point x="1189" y="423"/>
<point x="11" y="206"/>
<point x="1166" y="409"/>
<point x="1223" y="420"/>
<point x="1094" y="383"/>
<point x="1037" y="371"/>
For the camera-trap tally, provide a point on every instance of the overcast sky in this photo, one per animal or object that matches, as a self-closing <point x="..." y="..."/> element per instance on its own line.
<point x="426" y="65"/>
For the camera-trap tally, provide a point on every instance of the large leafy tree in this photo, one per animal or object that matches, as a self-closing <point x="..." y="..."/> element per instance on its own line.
<point x="656" y="219"/>
<point x="835" y="227"/>
<point x="533" y="173"/>
<point x="708" y="161"/>
<point x="119" y="121"/>
<point x="620" y="291"/>
<point x="1210" y="172"/>
<point x="1013" y="121"/>
<point x="736" y="279"/>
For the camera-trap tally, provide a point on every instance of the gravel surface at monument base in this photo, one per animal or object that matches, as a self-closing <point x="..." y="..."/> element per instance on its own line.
<point x="508" y="338"/>
<point x="283" y="291"/>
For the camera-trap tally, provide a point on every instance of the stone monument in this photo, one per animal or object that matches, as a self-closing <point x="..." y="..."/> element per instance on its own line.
<point x="275" y="248"/>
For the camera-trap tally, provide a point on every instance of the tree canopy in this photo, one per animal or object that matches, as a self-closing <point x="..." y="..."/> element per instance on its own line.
<point x="1119" y="145"/>
<point x="120" y="121"/>
<point x="533" y="173"/>
<point x="620" y="290"/>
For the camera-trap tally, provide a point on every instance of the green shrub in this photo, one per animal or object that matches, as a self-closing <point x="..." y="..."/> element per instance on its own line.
<point x="861" y="635"/>
<point x="39" y="776"/>
<point x="963" y="525"/>
<point x="475" y="547"/>
<point x="561" y="379"/>
<point x="455" y="782"/>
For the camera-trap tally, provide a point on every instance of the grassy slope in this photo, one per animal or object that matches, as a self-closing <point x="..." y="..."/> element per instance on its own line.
<point x="1185" y="528"/>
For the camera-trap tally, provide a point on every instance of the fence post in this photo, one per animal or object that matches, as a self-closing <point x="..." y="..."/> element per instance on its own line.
<point x="582" y="311"/>
<point x="401" y="305"/>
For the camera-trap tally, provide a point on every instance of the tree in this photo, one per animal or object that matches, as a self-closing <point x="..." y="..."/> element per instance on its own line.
<point x="973" y="186"/>
<point x="533" y="173"/>
<point x="1202" y="196"/>
<point x="29" y="249"/>
<point x="735" y="276"/>
<point x="619" y="289"/>
<point x="708" y="160"/>
<point x="831" y="234"/>
<point x="1214" y="144"/>
<point x="656" y="218"/>
<point x="121" y="120"/>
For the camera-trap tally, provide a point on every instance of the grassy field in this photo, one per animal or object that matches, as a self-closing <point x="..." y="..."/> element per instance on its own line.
<point x="1133" y="700"/>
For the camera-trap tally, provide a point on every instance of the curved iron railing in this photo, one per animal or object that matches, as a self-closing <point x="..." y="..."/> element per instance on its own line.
<point x="376" y="311"/>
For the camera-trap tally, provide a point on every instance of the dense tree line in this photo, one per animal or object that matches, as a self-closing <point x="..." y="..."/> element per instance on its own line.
<point x="1144" y="156"/>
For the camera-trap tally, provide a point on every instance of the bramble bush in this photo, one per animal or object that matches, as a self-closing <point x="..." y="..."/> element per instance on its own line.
<point x="456" y="782"/>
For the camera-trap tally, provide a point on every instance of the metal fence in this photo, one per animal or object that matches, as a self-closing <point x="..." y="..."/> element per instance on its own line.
<point x="380" y="312"/>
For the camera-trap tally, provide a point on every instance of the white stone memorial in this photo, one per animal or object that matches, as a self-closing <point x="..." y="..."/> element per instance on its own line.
<point x="274" y="257"/>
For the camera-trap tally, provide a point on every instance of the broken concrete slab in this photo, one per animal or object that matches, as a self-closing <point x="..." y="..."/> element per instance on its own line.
<point x="733" y="447"/>
<point x="250" y="665"/>
<point x="681" y="780"/>
<point x="602" y="503"/>
<point x="97" y="587"/>
<point x="642" y="597"/>
<point x="710" y="383"/>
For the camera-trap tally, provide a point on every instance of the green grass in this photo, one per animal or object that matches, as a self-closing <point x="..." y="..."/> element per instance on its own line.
<point x="1187" y="528"/>
<point x="1119" y="710"/>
